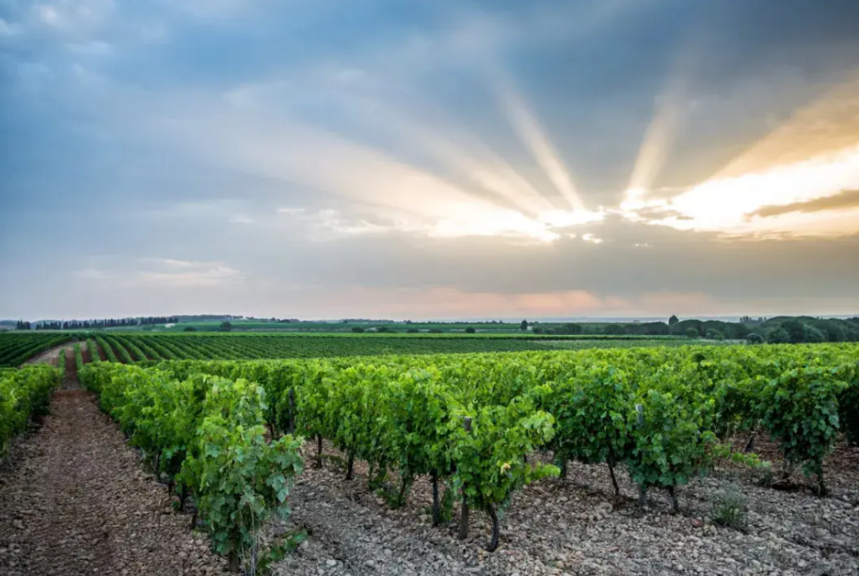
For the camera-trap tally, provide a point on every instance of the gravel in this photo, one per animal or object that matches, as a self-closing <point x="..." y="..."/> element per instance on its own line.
<point x="579" y="527"/>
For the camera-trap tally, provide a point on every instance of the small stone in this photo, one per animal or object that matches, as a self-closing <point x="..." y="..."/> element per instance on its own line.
<point x="331" y="563"/>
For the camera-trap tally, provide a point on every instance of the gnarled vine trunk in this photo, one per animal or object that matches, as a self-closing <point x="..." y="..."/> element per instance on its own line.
<point x="463" y="519"/>
<point x="350" y="465"/>
<point x="493" y="542"/>
<point x="436" y="513"/>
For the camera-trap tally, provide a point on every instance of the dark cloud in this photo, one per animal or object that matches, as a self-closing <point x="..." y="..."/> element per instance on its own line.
<point x="842" y="200"/>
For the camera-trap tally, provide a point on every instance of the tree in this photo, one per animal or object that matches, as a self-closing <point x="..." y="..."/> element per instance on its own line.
<point x="614" y="329"/>
<point x="524" y="325"/>
<point x="795" y="330"/>
<point x="190" y="329"/>
<point x="713" y="334"/>
<point x="568" y="329"/>
<point x="692" y="333"/>
<point x="412" y="331"/>
<point x="778" y="336"/>
<point x="470" y="330"/>
<point x="225" y="327"/>
<point x="812" y="335"/>
<point x="673" y="320"/>
<point x="357" y="330"/>
<point x="754" y="338"/>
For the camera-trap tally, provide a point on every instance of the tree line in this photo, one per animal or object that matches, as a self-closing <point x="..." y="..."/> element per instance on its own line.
<point x="96" y="324"/>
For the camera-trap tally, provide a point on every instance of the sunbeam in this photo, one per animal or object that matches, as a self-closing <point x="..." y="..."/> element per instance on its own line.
<point x="661" y="132"/>
<point x="529" y="130"/>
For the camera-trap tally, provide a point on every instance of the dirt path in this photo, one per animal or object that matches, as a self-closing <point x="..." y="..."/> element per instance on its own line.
<point x="76" y="501"/>
<point x="51" y="356"/>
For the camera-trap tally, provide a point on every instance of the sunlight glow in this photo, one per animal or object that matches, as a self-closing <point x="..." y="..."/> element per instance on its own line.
<point x="813" y="155"/>
<point x="725" y="204"/>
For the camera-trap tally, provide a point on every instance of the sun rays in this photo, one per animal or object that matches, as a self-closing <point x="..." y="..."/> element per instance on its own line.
<point x="814" y="155"/>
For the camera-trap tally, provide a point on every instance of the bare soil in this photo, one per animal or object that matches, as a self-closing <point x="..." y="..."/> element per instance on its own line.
<point x="579" y="527"/>
<point x="51" y="356"/>
<point x="76" y="501"/>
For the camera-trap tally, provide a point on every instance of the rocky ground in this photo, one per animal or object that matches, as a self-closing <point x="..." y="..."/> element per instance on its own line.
<point x="580" y="527"/>
<point x="74" y="500"/>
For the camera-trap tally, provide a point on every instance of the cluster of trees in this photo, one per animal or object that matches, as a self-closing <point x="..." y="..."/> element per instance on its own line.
<point x="782" y="329"/>
<point x="807" y="330"/>
<point x="779" y="330"/>
<point x="98" y="324"/>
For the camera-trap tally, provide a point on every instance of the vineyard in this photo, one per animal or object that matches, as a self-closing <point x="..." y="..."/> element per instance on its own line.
<point x="15" y="349"/>
<point x="479" y="427"/>
<point x="136" y="347"/>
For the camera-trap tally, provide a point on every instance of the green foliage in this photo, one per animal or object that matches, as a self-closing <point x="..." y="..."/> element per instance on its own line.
<point x="778" y="336"/>
<point x="755" y="338"/>
<point x="208" y="434"/>
<point x="240" y="480"/>
<point x="61" y="363"/>
<point x="470" y="330"/>
<point x="23" y="393"/>
<point x="671" y="437"/>
<point x="568" y="329"/>
<point x="590" y="407"/>
<point x="799" y="409"/>
<point x="848" y="405"/>
<point x="489" y="458"/>
<point x="812" y="335"/>
<point x="673" y="320"/>
<point x="79" y="359"/>
<point x="17" y="347"/>
<point x="692" y="333"/>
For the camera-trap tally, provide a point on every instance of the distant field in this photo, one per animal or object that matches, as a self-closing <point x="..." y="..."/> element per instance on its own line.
<point x="16" y="348"/>
<point x="134" y="347"/>
<point x="346" y="327"/>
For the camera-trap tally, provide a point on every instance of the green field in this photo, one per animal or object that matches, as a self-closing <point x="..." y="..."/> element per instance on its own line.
<point x="139" y="347"/>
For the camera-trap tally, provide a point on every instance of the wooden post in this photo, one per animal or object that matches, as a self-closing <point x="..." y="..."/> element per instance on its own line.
<point x="463" y="517"/>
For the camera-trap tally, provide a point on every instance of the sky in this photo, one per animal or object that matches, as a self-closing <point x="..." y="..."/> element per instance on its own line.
<point x="417" y="160"/>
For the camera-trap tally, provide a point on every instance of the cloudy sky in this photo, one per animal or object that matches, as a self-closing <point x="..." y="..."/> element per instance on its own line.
<point x="444" y="159"/>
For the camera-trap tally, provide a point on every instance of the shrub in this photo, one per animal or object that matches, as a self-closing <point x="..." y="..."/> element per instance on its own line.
<point x="692" y="333"/>
<point x="730" y="510"/>
<point x="469" y="330"/>
<point x="357" y="330"/>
